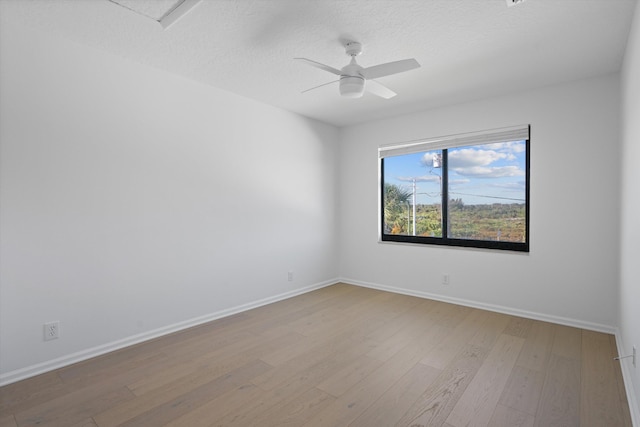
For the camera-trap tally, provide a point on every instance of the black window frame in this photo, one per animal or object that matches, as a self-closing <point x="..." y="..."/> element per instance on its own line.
<point x="448" y="241"/>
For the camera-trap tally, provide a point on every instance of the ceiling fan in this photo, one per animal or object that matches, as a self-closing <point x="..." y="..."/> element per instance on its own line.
<point x="355" y="79"/>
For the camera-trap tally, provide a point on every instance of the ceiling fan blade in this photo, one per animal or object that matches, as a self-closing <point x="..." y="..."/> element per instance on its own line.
<point x="379" y="89"/>
<point x="319" y="86"/>
<point x="319" y="65"/>
<point x="389" y="68"/>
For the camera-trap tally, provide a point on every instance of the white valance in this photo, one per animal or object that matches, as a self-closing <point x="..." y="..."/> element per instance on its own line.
<point x="515" y="133"/>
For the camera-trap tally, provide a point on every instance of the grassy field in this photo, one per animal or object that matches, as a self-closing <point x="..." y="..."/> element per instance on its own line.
<point x="498" y="221"/>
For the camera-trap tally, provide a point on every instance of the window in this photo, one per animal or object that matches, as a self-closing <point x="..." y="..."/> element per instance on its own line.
<point x="464" y="190"/>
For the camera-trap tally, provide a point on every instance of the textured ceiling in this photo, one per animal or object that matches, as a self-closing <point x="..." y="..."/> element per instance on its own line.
<point x="154" y="9"/>
<point x="468" y="49"/>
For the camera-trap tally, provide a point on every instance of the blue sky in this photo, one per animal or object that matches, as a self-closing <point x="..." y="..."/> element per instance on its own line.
<point x="480" y="174"/>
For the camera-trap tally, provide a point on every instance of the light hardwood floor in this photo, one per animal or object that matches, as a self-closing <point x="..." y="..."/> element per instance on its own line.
<point x="340" y="356"/>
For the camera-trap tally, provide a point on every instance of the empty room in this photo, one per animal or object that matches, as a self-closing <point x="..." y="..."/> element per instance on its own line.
<point x="319" y="213"/>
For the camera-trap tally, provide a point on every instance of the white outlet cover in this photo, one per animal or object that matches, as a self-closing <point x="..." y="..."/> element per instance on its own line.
<point x="51" y="331"/>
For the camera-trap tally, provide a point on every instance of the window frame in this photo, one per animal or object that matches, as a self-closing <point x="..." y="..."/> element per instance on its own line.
<point x="441" y="144"/>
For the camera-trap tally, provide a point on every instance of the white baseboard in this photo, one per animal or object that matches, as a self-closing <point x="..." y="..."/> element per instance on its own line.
<point x="634" y="401"/>
<point x="489" y="307"/>
<point x="50" y="365"/>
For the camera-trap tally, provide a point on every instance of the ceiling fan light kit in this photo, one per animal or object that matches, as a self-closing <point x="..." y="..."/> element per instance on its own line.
<point x="352" y="87"/>
<point x="355" y="79"/>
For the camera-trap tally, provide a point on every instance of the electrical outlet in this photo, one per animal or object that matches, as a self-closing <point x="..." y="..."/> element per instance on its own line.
<point x="445" y="279"/>
<point x="51" y="330"/>
<point x="290" y="276"/>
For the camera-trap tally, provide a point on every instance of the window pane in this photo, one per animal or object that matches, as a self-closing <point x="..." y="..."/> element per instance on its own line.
<point x="412" y="196"/>
<point x="487" y="192"/>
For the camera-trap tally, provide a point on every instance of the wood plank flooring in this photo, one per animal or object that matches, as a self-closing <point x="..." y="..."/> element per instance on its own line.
<point x="340" y="356"/>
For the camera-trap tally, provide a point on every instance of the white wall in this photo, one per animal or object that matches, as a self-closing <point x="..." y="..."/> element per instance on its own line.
<point x="134" y="201"/>
<point x="571" y="273"/>
<point x="630" y="237"/>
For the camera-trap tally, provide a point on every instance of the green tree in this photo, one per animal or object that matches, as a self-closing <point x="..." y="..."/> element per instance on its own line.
<point x="396" y="202"/>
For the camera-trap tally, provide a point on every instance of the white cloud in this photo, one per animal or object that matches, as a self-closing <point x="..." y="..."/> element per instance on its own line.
<point x="489" y="172"/>
<point x="459" y="181"/>
<point x="509" y="147"/>
<point x="470" y="157"/>
<point x="511" y="186"/>
<point x="423" y="178"/>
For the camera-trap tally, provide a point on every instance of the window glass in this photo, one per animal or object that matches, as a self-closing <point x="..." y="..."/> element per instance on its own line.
<point x="465" y="195"/>
<point x="414" y="181"/>
<point x="487" y="192"/>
